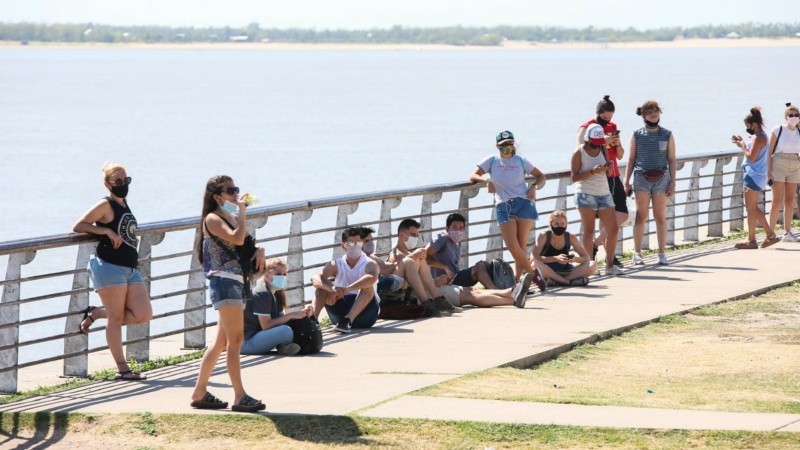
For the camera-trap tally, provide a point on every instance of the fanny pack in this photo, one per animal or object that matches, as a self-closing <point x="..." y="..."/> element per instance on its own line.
<point x="654" y="175"/>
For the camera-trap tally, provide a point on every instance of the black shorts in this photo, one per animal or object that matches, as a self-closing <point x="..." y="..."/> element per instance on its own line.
<point x="618" y="192"/>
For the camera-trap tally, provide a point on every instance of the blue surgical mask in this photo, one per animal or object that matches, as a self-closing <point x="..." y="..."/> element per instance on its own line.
<point x="230" y="207"/>
<point x="278" y="282"/>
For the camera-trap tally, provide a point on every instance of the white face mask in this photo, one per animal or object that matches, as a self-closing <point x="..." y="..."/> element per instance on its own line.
<point x="411" y="242"/>
<point x="793" y="121"/>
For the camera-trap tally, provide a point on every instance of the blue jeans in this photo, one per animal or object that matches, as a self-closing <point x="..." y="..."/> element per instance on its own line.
<point x="265" y="340"/>
<point x="366" y="319"/>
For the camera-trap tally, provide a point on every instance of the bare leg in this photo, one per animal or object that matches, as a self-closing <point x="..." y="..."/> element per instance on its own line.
<point x="409" y="270"/>
<point x="609" y="220"/>
<point x="232" y="322"/>
<point x="321" y="298"/>
<point x="587" y="220"/>
<point x="210" y="358"/>
<point x="642" y="211"/>
<point x="550" y="274"/>
<point x="485" y="298"/>
<point x="778" y="188"/>
<point x="584" y="269"/>
<point x="788" y="205"/>
<point x="755" y="215"/>
<point x="113" y="299"/>
<point x="660" y="217"/>
<point x="137" y="305"/>
<point x="515" y="235"/>
<point x="480" y="272"/>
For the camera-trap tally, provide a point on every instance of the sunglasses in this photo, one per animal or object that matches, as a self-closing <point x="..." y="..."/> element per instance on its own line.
<point x="353" y="244"/>
<point x="230" y="190"/>
<point x="793" y="115"/>
<point x="506" y="148"/>
<point x="120" y="181"/>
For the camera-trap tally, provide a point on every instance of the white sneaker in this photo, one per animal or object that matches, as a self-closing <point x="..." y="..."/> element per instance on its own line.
<point x="637" y="259"/>
<point x="662" y="259"/>
<point x="614" y="270"/>
<point x="790" y="237"/>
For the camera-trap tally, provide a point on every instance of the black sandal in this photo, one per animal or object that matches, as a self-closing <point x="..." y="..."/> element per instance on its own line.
<point x="87" y="314"/>
<point x="209" y="402"/>
<point x="248" y="404"/>
<point x="130" y="375"/>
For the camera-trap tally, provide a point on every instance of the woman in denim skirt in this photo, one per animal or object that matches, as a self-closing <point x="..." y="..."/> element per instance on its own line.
<point x="515" y="201"/>
<point x="113" y="269"/>
<point x="223" y="227"/>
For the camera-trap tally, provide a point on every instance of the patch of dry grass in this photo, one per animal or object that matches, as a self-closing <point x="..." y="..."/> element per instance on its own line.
<point x="736" y="356"/>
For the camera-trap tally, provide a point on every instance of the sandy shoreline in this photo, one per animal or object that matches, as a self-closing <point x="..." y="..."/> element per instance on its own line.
<point x="508" y="45"/>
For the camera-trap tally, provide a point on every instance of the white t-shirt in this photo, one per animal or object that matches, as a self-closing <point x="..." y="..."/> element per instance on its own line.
<point x="789" y="142"/>
<point x="508" y="176"/>
<point x="346" y="275"/>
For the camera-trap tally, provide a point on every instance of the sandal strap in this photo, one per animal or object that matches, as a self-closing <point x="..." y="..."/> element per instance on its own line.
<point x="248" y="401"/>
<point x="210" y="398"/>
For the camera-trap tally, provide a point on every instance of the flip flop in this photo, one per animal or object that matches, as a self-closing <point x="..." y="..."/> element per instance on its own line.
<point x="248" y="404"/>
<point x="209" y="402"/>
<point x="87" y="315"/>
<point x="130" y="375"/>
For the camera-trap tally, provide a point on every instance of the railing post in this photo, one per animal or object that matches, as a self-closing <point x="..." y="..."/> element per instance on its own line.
<point x="78" y="366"/>
<point x="692" y="210"/>
<point x="295" y="261"/>
<point x="670" y="219"/>
<point x="342" y="214"/>
<point x="715" y="199"/>
<point x="561" y="195"/>
<point x="10" y="314"/>
<point x="464" y="209"/>
<point x="737" y="197"/>
<point x="385" y="226"/>
<point x="426" y="211"/>
<point x="494" y="246"/>
<point x="140" y="351"/>
<point x="195" y="299"/>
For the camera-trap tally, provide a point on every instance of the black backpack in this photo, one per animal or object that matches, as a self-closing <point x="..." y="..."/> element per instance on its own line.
<point x="306" y="334"/>
<point x="502" y="274"/>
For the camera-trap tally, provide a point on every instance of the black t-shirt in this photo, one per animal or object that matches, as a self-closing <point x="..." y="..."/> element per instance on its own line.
<point x="124" y="224"/>
<point x="262" y="303"/>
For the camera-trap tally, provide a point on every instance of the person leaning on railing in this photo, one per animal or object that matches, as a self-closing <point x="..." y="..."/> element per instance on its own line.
<point x="784" y="170"/>
<point x="651" y="162"/>
<point x="113" y="269"/>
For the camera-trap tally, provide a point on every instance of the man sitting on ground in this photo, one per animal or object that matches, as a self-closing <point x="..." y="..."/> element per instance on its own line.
<point x="349" y="299"/>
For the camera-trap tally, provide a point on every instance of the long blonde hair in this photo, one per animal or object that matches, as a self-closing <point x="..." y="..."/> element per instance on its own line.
<point x="280" y="295"/>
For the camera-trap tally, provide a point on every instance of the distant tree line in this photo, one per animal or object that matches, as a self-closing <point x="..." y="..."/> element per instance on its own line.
<point x="457" y="35"/>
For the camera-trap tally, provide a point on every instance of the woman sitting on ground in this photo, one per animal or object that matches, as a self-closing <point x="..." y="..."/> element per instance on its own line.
<point x="265" y="325"/>
<point x="552" y="255"/>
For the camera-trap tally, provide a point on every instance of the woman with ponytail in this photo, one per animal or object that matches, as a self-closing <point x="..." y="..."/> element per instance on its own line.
<point x="605" y="111"/>
<point x="755" y="178"/>
<point x="784" y="170"/>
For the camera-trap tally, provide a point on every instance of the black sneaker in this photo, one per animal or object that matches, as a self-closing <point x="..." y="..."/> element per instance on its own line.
<point x="617" y="262"/>
<point x="344" y="326"/>
<point x="430" y="309"/>
<point x="594" y="252"/>
<point x="520" y="292"/>
<point x="538" y="279"/>
<point x="443" y="305"/>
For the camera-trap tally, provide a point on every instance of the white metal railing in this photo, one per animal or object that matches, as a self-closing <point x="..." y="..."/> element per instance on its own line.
<point x="43" y="325"/>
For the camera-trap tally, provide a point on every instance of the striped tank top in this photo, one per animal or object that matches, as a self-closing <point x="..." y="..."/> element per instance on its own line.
<point x="651" y="149"/>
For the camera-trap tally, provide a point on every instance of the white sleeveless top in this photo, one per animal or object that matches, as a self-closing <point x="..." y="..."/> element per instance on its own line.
<point x="346" y="275"/>
<point x="597" y="183"/>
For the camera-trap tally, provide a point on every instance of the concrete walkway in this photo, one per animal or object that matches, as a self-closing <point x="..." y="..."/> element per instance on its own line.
<point x="355" y="372"/>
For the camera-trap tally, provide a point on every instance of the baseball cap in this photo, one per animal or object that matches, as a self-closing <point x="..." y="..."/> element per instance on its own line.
<point x="595" y="134"/>
<point x="505" y="136"/>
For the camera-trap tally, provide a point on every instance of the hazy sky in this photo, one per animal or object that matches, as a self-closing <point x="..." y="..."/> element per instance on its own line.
<point x="331" y="14"/>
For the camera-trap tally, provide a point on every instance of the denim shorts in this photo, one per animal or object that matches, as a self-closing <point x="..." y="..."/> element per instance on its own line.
<point x="104" y="274"/>
<point x="464" y="278"/>
<point x="595" y="202"/>
<point x="516" y="208"/>
<point x="750" y="184"/>
<point x="640" y="183"/>
<point x="559" y="267"/>
<point x="226" y="292"/>
<point x="366" y="319"/>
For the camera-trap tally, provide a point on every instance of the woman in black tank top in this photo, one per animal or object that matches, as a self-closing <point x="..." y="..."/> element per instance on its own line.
<point x="114" y="274"/>
<point x="552" y="254"/>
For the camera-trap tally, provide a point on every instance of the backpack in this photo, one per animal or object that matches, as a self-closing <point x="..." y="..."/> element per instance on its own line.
<point x="502" y="274"/>
<point x="307" y="335"/>
<point x="398" y="305"/>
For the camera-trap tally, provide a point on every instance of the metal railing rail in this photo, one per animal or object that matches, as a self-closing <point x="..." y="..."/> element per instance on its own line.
<point x="709" y="199"/>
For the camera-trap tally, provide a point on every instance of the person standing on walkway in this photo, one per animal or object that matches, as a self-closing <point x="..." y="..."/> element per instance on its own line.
<point x="651" y="163"/>
<point x="223" y="228"/>
<point x="113" y="269"/>
<point x="265" y="324"/>
<point x="755" y="178"/>
<point x="515" y="201"/>
<point x="590" y="168"/>
<point x="605" y="111"/>
<point x="784" y="170"/>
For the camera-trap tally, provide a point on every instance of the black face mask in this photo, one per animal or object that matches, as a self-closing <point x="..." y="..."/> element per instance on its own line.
<point x="750" y="131"/>
<point x="602" y="122"/>
<point x="651" y="124"/>
<point x="558" y="231"/>
<point x="120" y="191"/>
